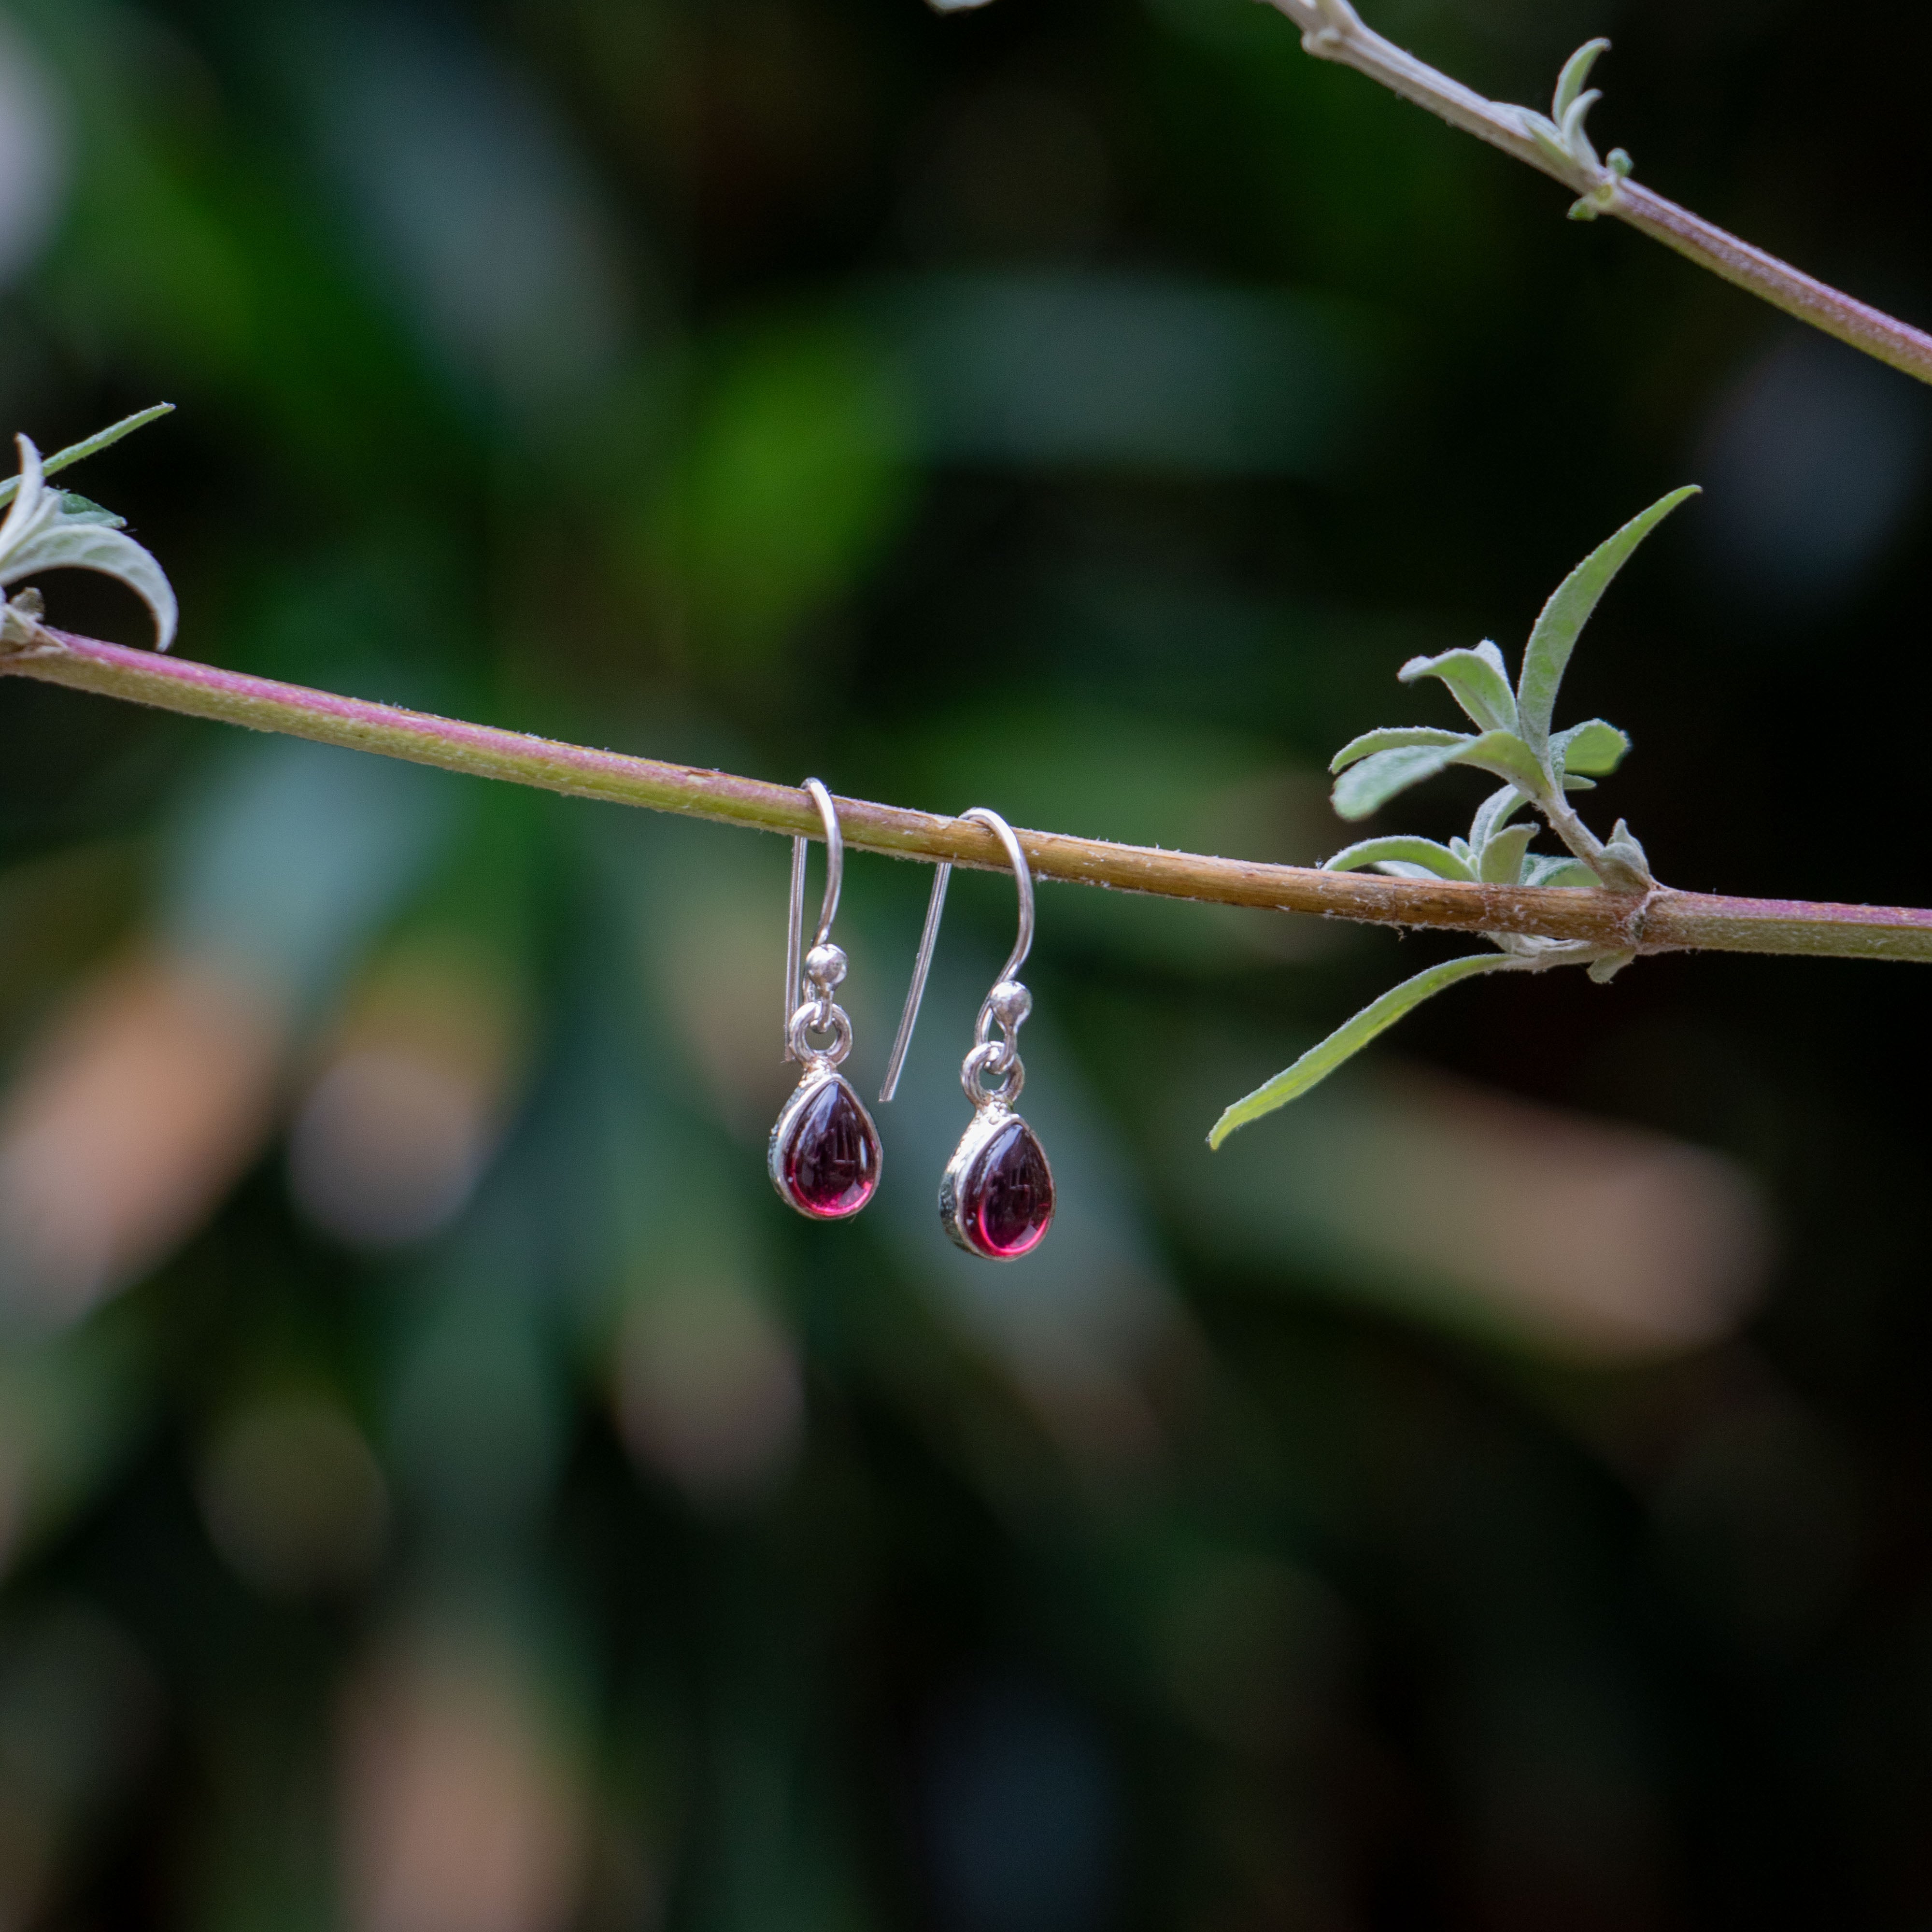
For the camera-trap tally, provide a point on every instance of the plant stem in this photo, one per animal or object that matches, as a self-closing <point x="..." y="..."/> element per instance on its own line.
<point x="1583" y="843"/>
<point x="1332" y="30"/>
<point x="1905" y="348"/>
<point x="1661" y="921"/>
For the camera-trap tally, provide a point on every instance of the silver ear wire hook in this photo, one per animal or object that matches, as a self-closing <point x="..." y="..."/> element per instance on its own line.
<point x="996" y="1197"/>
<point x="834" y="878"/>
<point x="824" y="1156"/>
<point x="929" y="939"/>
<point x="922" y="969"/>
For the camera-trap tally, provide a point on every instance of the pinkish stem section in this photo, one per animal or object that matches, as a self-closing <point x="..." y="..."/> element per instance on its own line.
<point x="1665" y="921"/>
<point x="1906" y="349"/>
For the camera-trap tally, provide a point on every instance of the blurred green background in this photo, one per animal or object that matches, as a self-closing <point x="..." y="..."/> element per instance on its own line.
<point x="442" y="1489"/>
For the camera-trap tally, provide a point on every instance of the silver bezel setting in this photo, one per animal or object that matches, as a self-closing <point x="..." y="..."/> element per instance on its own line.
<point x="987" y="1123"/>
<point x="816" y="1078"/>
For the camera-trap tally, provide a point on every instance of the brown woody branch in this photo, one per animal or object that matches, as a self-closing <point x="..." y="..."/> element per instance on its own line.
<point x="1663" y="921"/>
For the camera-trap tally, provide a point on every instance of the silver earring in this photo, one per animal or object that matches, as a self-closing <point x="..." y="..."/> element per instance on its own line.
<point x="996" y="1196"/>
<point x="824" y="1156"/>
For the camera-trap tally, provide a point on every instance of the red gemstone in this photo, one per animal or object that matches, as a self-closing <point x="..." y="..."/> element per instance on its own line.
<point x="830" y="1159"/>
<point x="1007" y="1202"/>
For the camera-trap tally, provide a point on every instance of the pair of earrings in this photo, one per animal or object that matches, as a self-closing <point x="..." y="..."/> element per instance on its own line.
<point x="996" y="1196"/>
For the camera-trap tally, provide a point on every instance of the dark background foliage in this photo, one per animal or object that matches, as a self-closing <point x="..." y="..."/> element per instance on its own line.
<point x="441" y="1490"/>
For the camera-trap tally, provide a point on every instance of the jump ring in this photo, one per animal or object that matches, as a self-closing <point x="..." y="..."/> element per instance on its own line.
<point x="809" y="1019"/>
<point x="1006" y="1052"/>
<point x="988" y="1059"/>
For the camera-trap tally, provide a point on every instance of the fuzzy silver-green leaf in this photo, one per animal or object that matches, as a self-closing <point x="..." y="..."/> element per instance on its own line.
<point x="1623" y="854"/>
<point x="76" y="508"/>
<point x="1424" y="853"/>
<point x="79" y="452"/>
<point x="87" y="546"/>
<point x="1564" y="616"/>
<point x="1493" y="814"/>
<point x="1502" y="863"/>
<point x="1477" y="680"/>
<point x="39" y="534"/>
<point x="1594" y="750"/>
<point x="1367" y="787"/>
<point x="1504" y="754"/>
<point x="1559" y="870"/>
<point x="1575" y="76"/>
<point x="1345" y="1042"/>
<point x="1393" y="738"/>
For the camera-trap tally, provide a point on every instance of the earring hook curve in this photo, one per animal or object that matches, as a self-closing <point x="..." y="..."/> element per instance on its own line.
<point x="835" y="880"/>
<point x="929" y="939"/>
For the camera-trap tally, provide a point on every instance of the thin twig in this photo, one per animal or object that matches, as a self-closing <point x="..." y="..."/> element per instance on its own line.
<point x="1332" y="30"/>
<point x="1662" y="921"/>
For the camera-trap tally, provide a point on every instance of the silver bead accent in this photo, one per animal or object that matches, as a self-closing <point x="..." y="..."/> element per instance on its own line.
<point x="825" y="966"/>
<point x="1010" y="1003"/>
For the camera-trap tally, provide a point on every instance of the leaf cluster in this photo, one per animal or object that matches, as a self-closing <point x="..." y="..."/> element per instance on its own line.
<point x="55" y="529"/>
<point x="1562" y="137"/>
<point x="1514" y="739"/>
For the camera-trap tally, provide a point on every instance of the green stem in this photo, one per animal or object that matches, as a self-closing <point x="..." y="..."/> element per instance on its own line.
<point x="1583" y="843"/>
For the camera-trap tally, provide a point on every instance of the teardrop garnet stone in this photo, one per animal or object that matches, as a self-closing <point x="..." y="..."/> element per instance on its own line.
<point x="828" y="1164"/>
<point x="1007" y="1205"/>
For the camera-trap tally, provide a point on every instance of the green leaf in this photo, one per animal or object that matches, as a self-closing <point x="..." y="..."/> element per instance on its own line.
<point x="1393" y="738"/>
<point x="79" y="509"/>
<point x="1595" y="749"/>
<point x="79" y="452"/>
<point x="1561" y="870"/>
<point x="1627" y="866"/>
<point x="38" y="534"/>
<point x="1574" y="135"/>
<point x="1503" y="856"/>
<point x="91" y="546"/>
<point x="1546" y="134"/>
<point x="1436" y="859"/>
<point x="1505" y="754"/>
<point x="1479" y="680"/>
<point x="1570" y="84"/>
<point x="1368" y="786"/>
<point x="1564" y="616"/>
<point x="1319" y="1062"/>
<point x="1493" y="814"/>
